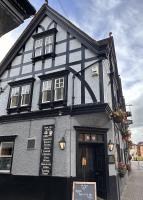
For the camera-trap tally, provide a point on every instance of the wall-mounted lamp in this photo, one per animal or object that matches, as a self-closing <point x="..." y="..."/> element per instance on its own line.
<point x="110" y="145"/>
<point x="62" y="143"/>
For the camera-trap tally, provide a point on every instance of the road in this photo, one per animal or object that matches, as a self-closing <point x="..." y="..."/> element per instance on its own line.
<point x="134" y="188"/>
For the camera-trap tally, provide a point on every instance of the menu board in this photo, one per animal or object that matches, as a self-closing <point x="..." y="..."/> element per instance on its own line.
<point x="46" y="151"/>
<point x="84" y="191"/>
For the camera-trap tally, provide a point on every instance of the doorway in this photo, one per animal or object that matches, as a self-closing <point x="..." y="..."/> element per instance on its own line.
<point x="91" y="160"/>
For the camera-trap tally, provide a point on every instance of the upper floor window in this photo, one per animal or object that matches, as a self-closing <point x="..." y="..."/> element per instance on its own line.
<point x="53" y="89"/>
<point x="44" y="45"/>
<point x="38" y="47"/>
<point x="20" y="95"/>
<point x="59" y="89"/>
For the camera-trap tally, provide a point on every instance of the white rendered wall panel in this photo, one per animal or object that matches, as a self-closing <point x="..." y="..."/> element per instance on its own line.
<point x="26" y="69"/>
<point x="27" y="57"/>
<point x="76" y="56"/>
<point x="107" y="84"/>
<point x="60" y="48"/>
<point x="14" y="72"/>
<point x="45" y="22"/>
<point x="48" y="63"/>
<point x="4" y="75"/>
<point x="29" y="44"/>
<point x="38" y="65"/>
<point x="36" y="94"/>
<point x="4" y="98"/>
<point x="60" y="60"/>
<point x="74" y="44"/>
<point x="89" y="54"/>
<point x="93" y="82"/>
<point x="16" y="60"/>
<point x="61" y="34"/>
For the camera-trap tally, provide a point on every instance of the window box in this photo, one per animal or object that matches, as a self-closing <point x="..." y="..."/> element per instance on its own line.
<point x="44" y="45"/>
<point x="53" y="92"/>
<point x="20" y="97"/>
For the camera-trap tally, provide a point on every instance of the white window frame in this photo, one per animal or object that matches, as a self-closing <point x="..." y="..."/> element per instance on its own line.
<point x="21" y="94"/>
<point x="50" y="80"/>
<point x="57" y="87"/>
<point x="49" y="42"/>
<point x="13" y="88"/>
<point x="38" y="45"/>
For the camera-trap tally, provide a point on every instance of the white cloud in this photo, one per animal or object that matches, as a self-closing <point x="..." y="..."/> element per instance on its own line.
<point x="125" y="21"/>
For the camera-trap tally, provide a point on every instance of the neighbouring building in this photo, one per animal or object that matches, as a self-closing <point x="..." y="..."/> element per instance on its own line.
<point x="140" y="149"/>
<point x="59" y="85"/>
<point x="133" y="151"/>
<point x="13" y="13"/>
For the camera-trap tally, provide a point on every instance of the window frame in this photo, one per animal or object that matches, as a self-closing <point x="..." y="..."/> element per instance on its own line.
<point x="53" y="76"/>
<point x="20" y="84"/>
<point x="12" y="140"/>
<point x="43" y="36"/>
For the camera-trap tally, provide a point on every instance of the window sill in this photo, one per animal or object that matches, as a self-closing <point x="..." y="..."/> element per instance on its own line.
<point x="4" y="172"/>
<point x="42" y="57"/>
<point x="52" y="104"/>
<point x="18" y="109"/>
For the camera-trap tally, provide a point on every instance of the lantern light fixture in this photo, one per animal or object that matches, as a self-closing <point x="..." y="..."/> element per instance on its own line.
<point x="110" y="145"/>
<point x="62" y="143"/>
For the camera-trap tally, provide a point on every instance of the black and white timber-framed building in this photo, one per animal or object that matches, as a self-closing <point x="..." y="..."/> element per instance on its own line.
<point x="57" y="82"/>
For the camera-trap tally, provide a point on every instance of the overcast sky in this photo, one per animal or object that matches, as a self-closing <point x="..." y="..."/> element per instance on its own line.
<point x="124" y="18"/>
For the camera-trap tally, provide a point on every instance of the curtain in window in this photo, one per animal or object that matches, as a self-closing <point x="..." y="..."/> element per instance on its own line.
<point x="25" y="95"/>
<point x="46" y="91"/>
<point x="59" y="89"/>
<point x="38" y="47"/>
<point x="14" y="97"/>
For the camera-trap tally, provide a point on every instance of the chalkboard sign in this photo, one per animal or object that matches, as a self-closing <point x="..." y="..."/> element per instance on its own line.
<point x="84" y="191"/>
<point x="46" y="151"/>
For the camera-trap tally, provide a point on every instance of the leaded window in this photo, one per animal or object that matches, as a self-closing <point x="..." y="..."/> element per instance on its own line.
<point x="38" y="47"/>
<point x="20" y="95"/>
<point x="59" y="89"/>
<point x="53" y="89"/>
<point x="44" y="45"/>
<point x="25" y="95"/>
<point x="14" y="97"/>
<point x="46" y="91"/>
<point x="49" y="44"/>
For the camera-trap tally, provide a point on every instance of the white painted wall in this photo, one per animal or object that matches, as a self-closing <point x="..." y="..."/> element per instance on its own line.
<point x="107" y="84"/>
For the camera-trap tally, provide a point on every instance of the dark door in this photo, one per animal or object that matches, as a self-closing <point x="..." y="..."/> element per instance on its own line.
<point x="91" y="165"/>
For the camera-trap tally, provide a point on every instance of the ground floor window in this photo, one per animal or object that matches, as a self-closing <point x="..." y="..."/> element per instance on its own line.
<point x="6" y="153"/>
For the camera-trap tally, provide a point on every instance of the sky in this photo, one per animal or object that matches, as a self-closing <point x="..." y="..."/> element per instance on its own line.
<point x="97" y="18"/>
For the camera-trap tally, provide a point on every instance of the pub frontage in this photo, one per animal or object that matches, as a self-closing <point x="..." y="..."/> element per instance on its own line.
<point x="62" y="114"/>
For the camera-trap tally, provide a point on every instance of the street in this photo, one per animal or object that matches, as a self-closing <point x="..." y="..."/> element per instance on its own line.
<point x="134" y="188"/>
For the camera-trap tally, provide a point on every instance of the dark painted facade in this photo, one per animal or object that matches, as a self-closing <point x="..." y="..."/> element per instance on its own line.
<point x="13" y="13"/>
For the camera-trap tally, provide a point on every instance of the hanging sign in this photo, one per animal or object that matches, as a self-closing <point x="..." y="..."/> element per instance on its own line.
<point x="46" y="151"/>
<point x="84" y="191"/>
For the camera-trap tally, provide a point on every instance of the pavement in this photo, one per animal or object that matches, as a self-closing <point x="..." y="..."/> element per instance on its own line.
<point x="134" y="188"/>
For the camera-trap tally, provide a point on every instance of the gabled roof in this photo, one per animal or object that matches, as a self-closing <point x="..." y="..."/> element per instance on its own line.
<point x="86" y="40"/>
